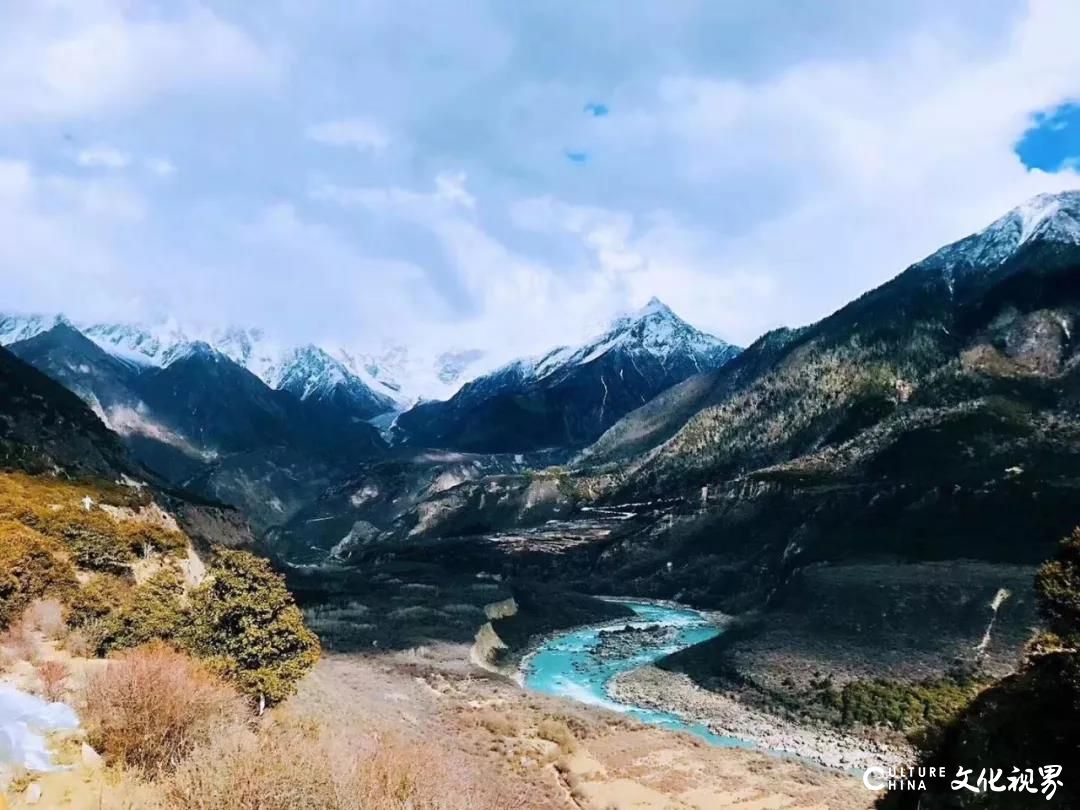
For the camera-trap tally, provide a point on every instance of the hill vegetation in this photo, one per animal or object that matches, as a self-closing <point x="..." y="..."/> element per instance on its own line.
<point x="1024" y="722"/>
<point x="127" y="575"/>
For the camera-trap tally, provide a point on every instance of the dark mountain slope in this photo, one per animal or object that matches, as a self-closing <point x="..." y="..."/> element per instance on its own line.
<point x="204" y="422"/>
<point x="44" y="426"/>
<point x="911" y="341"/>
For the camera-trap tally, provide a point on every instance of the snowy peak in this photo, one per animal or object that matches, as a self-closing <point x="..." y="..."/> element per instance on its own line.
<point x="653" y="330"/>
<point x="308" y="371"/>
<point x="14" y="328"/>
<point x="1049" y="216"/>
<point x="311" y="373"/>
<point x="1045" y="218"/>
<point x="195" y="350"/>
<point x="569" y="396"/>
<point x="137" y="343"/>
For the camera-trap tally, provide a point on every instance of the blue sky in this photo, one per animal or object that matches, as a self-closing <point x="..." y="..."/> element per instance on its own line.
<point x="510" y="175"/>
<point x="1053" y="142"/>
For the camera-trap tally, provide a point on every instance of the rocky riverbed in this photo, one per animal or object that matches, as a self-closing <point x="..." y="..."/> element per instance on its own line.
<point x="675" y="692"/>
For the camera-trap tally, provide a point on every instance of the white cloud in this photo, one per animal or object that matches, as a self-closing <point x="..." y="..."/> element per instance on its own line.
<point x="102" y="157"/>
<point x="529" y="302"/>
<point x="63" y="236"/>
<point x="358" y="133"/>
<point x="832" y="176"/>
<point x="161" y="167"/>
<point x="449" y="193"/>
<point x="747" y="174"/>
<point x="72" y="58"/>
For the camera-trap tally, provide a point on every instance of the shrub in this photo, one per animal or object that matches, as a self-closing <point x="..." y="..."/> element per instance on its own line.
<point x="558" y="732"/>
<point x="155" y="610"/>
<point x="98" y="550"/>
<point x="31" y="567"/>
<point x="151" y="706"/>
<point x="905" y="707"/>
<point x="143" y="537"/>
<point x="245" y="622"/>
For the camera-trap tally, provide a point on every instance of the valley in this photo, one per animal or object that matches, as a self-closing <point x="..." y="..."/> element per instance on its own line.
<point x="786" y="562"/>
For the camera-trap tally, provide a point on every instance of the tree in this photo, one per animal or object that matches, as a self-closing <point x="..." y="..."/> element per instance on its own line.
<point x="246" y="624"/>
<point x="156" y="610"/>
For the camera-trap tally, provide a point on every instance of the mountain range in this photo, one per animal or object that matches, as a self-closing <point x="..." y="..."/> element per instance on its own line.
<point x="914" y="452"/>
<point x="391" y="380"/>
<point x="265" y="430"/>
<point x="922" y="392"/>
<point x="867" y="496"/>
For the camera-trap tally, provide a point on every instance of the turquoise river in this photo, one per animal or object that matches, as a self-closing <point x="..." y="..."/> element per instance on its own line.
<point x="568" y="664"/>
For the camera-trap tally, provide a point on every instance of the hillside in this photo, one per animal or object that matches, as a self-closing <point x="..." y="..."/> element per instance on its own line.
<point x="201" y="421"/>
<point x="44" y="426"/>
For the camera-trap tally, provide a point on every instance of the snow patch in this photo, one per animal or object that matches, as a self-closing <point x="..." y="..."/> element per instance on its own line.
<point x="25" y="720"/>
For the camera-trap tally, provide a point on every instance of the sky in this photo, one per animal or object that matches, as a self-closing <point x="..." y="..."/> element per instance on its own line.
<point x="510" y="176"/>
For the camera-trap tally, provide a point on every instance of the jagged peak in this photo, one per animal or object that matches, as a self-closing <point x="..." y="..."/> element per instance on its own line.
<point x="195" y="349"/>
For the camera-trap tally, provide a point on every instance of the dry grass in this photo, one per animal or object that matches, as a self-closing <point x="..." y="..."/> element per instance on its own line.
<point x="558" y="732"/>
<point x="53" y="677"/>
<point x="290" y="765"/>
<point x="151" y="706"/>
<point x="498" y="724"/>
<point x="82" y="643"/>
<point x="47" y="617"/>
<point x="19" y="642"/>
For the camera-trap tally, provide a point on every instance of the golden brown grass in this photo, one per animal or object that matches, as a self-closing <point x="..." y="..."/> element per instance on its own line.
<point x="558" y="732"/>
<point x="19" y="642"/>
<point x="152" y="705"/>
<point x="70" y="513"/>
<point x="291" y="765"/>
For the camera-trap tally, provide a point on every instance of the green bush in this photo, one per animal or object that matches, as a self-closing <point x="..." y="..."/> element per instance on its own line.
<point x="31" y="567"/>
<point x="97" y="550"/>
<point x="904" y="707"/>
<point x="98" y="597"/>
<point x="156" y="610"/>
<point x="246" y="624"/>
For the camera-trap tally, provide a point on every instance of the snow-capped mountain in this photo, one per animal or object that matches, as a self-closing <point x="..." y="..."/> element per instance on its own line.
<point x="304" y="369"/>
<point x="14" y="328"/>
<point x="396" y="378"/>
<point x="570" y="395"/>
<point x="1045" y="218"/>
<point x="654" y="331"/>
<point x="310" y="373"/>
